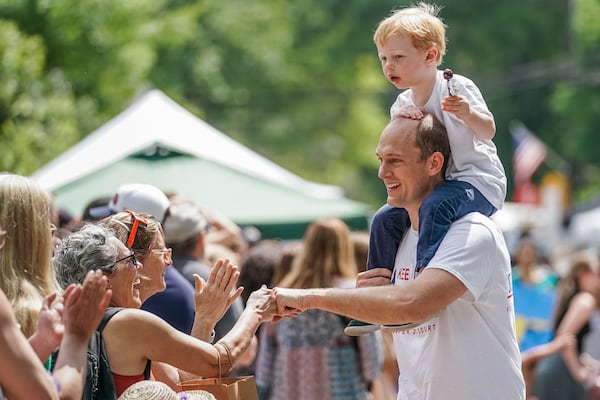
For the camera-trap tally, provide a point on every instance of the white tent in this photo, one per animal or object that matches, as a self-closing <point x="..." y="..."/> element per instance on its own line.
<point x="199" y="161"/>
<point x="156" y="118"/>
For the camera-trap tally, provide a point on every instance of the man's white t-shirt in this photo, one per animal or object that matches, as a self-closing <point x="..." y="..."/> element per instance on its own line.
<point x="469" y="350"/>
<point x="472" y="160"/>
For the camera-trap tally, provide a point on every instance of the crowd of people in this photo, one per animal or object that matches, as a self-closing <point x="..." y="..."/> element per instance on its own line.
<point x="122" y="260"/>
<point x="122" y="256"/>
<point x="429" y="304"/>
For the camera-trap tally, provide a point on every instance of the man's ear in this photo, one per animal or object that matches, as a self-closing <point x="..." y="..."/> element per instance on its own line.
<point x="436" y="163"/>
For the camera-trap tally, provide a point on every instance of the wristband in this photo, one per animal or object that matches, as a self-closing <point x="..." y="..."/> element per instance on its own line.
<point x="56" y="382"/>
<point x="48" y="363"/>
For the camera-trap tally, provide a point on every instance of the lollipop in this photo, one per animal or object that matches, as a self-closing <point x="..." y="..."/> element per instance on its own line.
<point x="448" y="74"/>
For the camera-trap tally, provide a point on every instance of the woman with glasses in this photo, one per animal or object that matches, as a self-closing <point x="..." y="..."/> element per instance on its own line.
<point x="144" y="235"/>
<point x="23" y="375"/>
<point x="134" y="337"/>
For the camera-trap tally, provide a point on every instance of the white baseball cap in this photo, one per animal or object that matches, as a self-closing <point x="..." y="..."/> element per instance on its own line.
<point x="140" y="198"/>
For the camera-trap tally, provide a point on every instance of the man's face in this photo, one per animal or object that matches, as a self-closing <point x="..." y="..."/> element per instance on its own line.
<point x="401" y="168"/>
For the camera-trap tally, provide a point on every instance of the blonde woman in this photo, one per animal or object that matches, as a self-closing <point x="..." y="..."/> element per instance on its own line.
<point x="23" y="376"/>
<point x="26" y="276"/>
<point x="310" y="357"/>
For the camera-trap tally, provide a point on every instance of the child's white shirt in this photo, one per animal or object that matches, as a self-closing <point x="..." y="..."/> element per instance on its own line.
<point x="473" y="160"/>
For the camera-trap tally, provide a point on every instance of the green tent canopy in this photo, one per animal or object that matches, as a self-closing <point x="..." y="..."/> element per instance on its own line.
<point x="277" y="211"/>
<point x="158" y="142"/>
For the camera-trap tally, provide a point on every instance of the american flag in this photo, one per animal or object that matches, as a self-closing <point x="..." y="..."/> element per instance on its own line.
<point x="529" y="153"/>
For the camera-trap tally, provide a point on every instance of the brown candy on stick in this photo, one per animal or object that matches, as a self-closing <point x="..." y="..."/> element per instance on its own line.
<point x="448" y="74"/>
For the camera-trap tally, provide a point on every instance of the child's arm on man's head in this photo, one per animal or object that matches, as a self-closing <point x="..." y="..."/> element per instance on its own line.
<point x="482" y="124"/>
<point x="408" y="111"/>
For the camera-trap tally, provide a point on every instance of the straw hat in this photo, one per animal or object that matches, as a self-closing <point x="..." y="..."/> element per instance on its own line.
<point x="155" y="390"/>
<point x="149" y="390"/>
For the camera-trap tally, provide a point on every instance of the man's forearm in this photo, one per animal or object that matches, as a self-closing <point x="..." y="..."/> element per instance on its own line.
<point x="378" y="305"/>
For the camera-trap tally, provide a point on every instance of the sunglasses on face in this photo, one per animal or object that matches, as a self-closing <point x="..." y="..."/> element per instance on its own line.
<point x="130" y="260"/>
<point x="134" y="227"/>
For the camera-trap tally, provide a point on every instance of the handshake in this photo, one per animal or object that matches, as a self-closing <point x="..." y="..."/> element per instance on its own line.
<point x="275" y="304"/>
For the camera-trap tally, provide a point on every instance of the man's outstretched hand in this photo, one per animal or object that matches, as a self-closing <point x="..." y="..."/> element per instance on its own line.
<point x="290" y="302"/>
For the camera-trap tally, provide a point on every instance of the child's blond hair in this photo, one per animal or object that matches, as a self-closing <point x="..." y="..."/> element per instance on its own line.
<point x="420" y="22"/>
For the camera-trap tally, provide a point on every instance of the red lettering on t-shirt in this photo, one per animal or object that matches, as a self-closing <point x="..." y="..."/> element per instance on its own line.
<point x="419" y="330"/>
<point x="404" y="274"/>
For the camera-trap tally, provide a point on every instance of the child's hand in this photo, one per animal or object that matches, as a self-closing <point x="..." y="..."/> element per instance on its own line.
<point x="409" y="111"/>
<point x="457" y="105"/>
<point x="374" y="277"/>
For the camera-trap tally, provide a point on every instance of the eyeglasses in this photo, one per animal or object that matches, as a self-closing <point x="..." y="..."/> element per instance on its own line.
<point x="2" y="238"/>
<point x="134" y="227"/>
<point x="130" y="259"/>
<point x="165" y="253"/>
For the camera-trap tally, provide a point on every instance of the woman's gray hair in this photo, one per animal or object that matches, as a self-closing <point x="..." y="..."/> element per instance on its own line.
<point x="82" y="251"/>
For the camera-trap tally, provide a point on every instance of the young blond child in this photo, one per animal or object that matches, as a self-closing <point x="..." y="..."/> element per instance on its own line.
<point x="411" y="43"/>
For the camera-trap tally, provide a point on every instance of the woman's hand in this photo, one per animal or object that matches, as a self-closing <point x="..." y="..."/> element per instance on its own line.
<point x="263" y="302"/>
<point x="213" y="298"/>
<point x="84" y="305"/>
<point x="50" y="328"/>
<point x="77" y="312"/>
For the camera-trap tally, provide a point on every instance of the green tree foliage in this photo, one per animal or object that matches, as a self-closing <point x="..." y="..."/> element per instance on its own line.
<point x="105" y="48"/>
<point x="36" y="106"/>
<point x="298" y="81"/>
<point x="294" y="81"/>
<point x="576" y="101"/>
